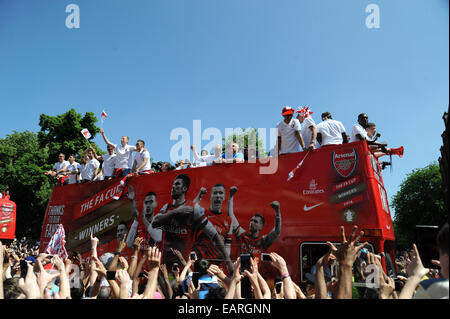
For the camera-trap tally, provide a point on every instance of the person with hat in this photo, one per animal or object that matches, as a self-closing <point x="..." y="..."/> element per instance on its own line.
<point x="289" y="130"/>
<point x="309" y="131"/>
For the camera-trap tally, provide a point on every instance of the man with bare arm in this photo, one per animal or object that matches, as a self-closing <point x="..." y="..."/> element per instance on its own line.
<point x="123" y="153"/>
<point x="148" y="210"/>
<point x="179" y="220"/>
<point x="251" y="241"/>
<point x="203" y="246"/>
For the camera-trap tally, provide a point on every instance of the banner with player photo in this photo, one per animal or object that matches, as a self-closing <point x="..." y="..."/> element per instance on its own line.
<point x="224" y="210"/>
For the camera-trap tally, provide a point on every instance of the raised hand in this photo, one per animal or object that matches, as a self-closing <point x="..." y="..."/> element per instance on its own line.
<point x="233" y="190"/>
<point x="154" y="258"/>
<point x="137" y="243"/>
<point x="43" y="277"/>
<point x="415" y="267"/>
<point x="94" y="242"/>
<point x="29" y="285"/>
<point x="275" y="205"/>
<point x="123" y="243"/>
<point x="328" y="259"/>
<point x="348" y="250"/>
<point x="279" y="263"/>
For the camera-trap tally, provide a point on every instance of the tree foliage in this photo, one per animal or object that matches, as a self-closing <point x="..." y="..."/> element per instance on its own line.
<point x="62" y="133"/>
<point x="25" y="156"/>
<point x="419" y="201"/>
<point x="244" y="138"/>
<point x="22" y="170"/>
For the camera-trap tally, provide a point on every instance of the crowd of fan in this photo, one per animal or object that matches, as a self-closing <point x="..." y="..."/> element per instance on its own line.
<point x="26" y="274"/>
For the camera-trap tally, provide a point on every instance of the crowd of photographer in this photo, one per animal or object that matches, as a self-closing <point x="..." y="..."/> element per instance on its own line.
<point x="144" y="276"/>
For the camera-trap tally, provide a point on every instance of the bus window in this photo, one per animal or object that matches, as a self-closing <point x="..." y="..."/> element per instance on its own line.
<point x="310" y="253"/>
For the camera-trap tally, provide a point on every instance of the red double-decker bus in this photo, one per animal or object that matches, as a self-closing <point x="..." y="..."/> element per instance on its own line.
<point x="7" y="219"/>
<point x="334" y="186"/>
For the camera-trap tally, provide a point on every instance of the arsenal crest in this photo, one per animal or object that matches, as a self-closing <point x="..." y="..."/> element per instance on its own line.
<point x="344" y="161"/>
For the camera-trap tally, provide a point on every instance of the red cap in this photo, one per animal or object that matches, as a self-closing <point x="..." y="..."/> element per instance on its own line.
<point x="287" y="110"/>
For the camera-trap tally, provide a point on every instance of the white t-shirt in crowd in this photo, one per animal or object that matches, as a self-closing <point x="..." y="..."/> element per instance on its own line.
<point x="72" y="168"/>
<point x="58" y="165"/>
<point x="289" y="142"/>
<point x="331" y="131"/>
<point x="206" y="159"/>
<point x="109" y="162"/>
<point x="358" y="129"/>
<point x="140" y="157"/>
<point x="123" y="155"/>
<point x="90" y="169"/>
<point x="306" y="131"/>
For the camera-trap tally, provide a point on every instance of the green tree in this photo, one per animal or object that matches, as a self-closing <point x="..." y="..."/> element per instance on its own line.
<point x="244" y="138"/>
<point x="22" y="170"/>
<point x="62" y="133"/>
<point x="419" y="201"/>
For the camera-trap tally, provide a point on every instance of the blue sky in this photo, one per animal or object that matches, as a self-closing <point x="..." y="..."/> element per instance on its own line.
<point x="155" y="65"/>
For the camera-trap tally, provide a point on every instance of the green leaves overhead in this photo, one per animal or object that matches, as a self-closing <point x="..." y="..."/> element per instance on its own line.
<point x="25" y="156"/>
<point x="62" y="133"/>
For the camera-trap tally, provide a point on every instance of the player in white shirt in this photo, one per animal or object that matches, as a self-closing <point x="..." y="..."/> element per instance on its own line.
<point x="309" y="130"/>
<point x="123" y="153"/>
<point x="359" y="130"/>
<point x="330" y="132"/>
<point x="289" y="137"/>
<point x="141" y="163"/>
<point x="82" y="170"/>
<point x="59" y="168"/>
<point x="91" y="169"/>
<point x="108" y="165"/>
<point x="73" y="170"/>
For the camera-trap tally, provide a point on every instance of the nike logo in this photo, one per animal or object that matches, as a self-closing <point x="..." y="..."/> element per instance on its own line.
<point x="306" y="208"/>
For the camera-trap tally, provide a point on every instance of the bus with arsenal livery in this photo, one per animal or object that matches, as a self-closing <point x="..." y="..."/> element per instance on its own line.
<point x="334" y="185"/>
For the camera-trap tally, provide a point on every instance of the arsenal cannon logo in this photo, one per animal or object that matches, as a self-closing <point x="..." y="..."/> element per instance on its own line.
<point x="344" y="161"/>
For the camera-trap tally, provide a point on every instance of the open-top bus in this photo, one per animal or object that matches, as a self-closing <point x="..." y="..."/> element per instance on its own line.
<point x="334" y="186"/>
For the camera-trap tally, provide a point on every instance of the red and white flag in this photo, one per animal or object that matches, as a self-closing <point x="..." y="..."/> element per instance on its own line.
<point x="294" y="171"/>
<point x="103" y="116"/>
<point x="87" y="135"/>
<point x="57" y="243"/>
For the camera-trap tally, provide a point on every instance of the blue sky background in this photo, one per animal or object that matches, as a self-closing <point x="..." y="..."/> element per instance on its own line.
<point x="155" y="65"/>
